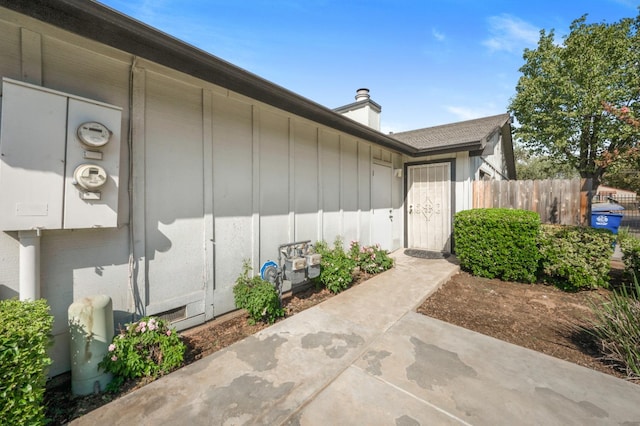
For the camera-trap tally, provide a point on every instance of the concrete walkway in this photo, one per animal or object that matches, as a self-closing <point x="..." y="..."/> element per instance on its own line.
<point x="365" y="358"/>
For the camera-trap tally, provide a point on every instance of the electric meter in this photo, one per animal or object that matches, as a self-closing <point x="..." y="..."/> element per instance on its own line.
<point x="90" y="176"/>
<point x="93" y="134"/>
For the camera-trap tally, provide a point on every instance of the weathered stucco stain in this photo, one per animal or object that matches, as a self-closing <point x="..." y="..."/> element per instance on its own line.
<point x="336" y="345"/>
<point x="263" y="358"/>
<point x="374" y="361"/>
<point x="436" y="366"/>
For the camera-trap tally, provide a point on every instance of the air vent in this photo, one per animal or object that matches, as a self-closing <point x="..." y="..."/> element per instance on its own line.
<point x="173" y="314"/>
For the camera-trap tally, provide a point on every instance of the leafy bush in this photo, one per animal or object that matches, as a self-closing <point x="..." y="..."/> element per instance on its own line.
<point x="260" y="298"/>
<point x="336" y="266"/>
<point x="630" y="248"/>
<point x="145" y="348"/>
<point x="371" y="260"/>
<point x="575" y="257"/>
<point x="25" y="335"/>
<point x="498" y="243"/>
<point x="618" y="329"/>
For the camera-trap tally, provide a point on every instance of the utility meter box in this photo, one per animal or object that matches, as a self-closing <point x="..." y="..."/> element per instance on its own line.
<point x="59" y="160"/>
<point x="295" y="270"/>
<point x="313" y="265"/>
<point x="92" y="165"/>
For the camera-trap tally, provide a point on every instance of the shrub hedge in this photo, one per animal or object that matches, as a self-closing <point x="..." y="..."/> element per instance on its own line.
<point x="575" y="257"/>
<point x="260" y="298"/>
<point x="25" y="335"/>
<point x="336" y="266"/>
<point x="498" y="243"/>
<point x="630" y="248"/>
<point x="146" y="348"/>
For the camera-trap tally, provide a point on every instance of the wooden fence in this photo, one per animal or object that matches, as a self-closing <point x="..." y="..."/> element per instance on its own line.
<point x="561" y="201"/>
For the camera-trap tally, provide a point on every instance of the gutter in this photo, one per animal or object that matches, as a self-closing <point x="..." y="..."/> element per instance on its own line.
<point x="473" y="147"/>
<point x="102" y="24"/>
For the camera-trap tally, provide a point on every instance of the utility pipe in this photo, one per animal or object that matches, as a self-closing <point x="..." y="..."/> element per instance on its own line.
<point x="29" y="264"/>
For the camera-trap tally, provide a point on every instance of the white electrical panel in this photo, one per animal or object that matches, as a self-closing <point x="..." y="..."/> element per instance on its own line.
<point x="59" y="160"/>
<point x="32" y="150"/>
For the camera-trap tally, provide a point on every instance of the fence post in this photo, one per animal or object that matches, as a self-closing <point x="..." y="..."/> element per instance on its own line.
<point x="585" y="201"/>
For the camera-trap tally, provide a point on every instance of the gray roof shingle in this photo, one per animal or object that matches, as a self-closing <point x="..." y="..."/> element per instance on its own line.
<point x="461" y="134"/>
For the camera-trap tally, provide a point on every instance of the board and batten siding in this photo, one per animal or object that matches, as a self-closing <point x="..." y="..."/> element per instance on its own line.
<point x="216" y="178"/>
<point x="74" y="263"/>
<point x="278" y="179"/>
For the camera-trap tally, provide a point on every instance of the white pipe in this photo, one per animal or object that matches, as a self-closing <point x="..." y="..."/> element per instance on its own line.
<point x="29" y="264"/>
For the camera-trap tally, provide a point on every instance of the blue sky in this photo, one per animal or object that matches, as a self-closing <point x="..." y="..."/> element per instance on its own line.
<point x="425" y="62"/>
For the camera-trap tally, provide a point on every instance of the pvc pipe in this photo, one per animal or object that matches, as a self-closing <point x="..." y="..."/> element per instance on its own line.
<point x="29" y="264"/>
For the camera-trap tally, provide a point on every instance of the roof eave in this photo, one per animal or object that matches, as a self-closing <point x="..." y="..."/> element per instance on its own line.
<point x="462" y="147"/>
<point x="104" y="25"/>
<point x="507" y="146"/>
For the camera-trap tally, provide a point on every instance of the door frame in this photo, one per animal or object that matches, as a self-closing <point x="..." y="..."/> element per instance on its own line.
<point x="452" y="169"/>
<point x="388" y="214"/>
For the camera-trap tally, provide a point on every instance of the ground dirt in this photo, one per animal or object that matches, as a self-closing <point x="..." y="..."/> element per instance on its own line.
<point x="536" y="316"/>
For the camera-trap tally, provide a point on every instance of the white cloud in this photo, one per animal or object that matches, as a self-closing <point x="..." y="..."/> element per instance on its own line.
<point x="510" y="33"/>
<point x="437" y="34"/>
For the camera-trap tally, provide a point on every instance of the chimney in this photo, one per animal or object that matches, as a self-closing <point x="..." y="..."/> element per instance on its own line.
<point x="363" y="110"/>
<point x="362" y="95"/>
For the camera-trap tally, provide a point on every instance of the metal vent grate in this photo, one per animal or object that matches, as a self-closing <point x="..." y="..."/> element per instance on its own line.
<point x="173" y="314"/>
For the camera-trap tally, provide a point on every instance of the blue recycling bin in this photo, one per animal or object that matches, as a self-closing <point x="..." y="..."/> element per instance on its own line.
<point x="606" y="220"/>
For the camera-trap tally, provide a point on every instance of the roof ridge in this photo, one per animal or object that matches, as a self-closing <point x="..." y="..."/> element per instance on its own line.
<point x="456" y="123"/>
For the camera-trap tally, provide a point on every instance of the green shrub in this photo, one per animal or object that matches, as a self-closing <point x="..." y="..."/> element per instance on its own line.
<point x="630" y="248"/>
<point x="260" y="298"/>
<point x="25" y="335"/>
<point x="618" y="329"/>
<point x="575" y="257"/>
<point x="371" y="260"/>
<point x="498" y="243"/>
<point x="336" y="266"/>
<point x="145" y="348"/>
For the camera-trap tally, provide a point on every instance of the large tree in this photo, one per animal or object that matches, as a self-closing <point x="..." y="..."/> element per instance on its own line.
<point x="569" y="96"/>
<point x="536" y="167"/>
<point x="622" y="171"/>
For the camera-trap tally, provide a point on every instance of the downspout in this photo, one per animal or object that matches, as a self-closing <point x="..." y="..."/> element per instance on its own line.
<point x="29" y="264"/>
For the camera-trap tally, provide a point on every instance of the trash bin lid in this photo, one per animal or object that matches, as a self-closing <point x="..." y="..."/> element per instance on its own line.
<point x="606" y="207"/>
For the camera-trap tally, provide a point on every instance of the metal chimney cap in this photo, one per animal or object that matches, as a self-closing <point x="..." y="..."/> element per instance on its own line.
<point x="362" y="94"/>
